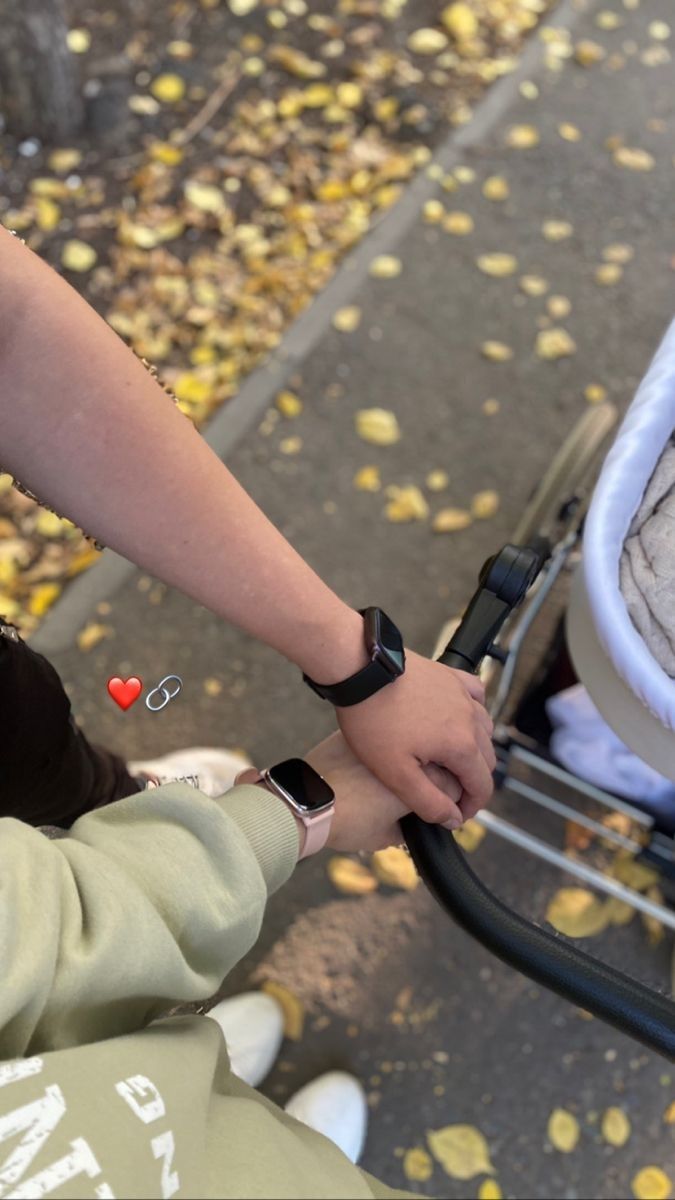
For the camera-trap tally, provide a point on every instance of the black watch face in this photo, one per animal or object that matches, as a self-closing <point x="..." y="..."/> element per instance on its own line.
<point x="303" y="783"/>
<point x="391" y="642"/>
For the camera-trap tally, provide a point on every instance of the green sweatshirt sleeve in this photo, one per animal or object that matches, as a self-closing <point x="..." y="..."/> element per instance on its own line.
<point x="148" y="903"/>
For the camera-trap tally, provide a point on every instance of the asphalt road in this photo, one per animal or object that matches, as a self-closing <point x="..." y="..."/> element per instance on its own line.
<point x="471" y="1042"/>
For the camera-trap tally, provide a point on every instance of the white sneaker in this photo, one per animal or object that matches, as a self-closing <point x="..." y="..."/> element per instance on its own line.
<point x="253" y="1025"/>
<point x="211" y="770"/>
<point x="335" y="1104"/>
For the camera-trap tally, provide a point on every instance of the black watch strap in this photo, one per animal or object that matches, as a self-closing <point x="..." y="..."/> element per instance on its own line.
<point x="364" y="683"/>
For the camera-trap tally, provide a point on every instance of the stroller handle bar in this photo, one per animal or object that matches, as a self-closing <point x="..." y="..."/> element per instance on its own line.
<point x="623" y="1002"/>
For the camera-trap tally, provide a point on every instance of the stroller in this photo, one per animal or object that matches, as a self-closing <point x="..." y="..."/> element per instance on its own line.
<point x="543" y="580"/>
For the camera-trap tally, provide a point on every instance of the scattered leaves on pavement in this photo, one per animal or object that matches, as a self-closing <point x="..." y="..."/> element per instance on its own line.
<point x="651" y="1183"/>
<point x="451" y="520"/>
<point x="615" y="1126"/>
<point x="377" y="425"/>
<point x="417" y="1165"/>
<point x="395" y="868"/>
<point x="292" y="1008"/>
<point x="563" y="1130"/>
<point x="470" y="835"/>
<point x="577" y="913"/>
<point x="461" y="1150"/>
<point x="350" y="876"/>
<point x="406" y="504"/>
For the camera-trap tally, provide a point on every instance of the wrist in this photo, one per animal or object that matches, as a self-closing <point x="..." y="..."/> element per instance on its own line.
<point x="335" y="647"/>
<point x="301" y="829"/>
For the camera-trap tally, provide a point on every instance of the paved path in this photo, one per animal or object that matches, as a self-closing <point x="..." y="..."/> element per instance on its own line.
<point x="472" y="1042"/>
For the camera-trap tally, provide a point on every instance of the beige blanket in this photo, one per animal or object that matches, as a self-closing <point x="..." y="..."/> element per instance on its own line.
<point x="647" y="571"/>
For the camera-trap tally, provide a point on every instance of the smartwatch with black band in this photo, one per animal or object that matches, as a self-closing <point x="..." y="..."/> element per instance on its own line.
<point x="387" y="663"/>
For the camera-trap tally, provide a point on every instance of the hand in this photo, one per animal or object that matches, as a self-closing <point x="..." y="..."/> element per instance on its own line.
<point x="366" y="813"/>
<point x="432" y="716"/>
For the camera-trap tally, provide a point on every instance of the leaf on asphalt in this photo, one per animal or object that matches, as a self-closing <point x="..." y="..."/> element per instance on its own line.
<point x="350" y="876"/>
<point x="205" y="196"/>
<point x="522" y="137"/>
<point x="558" y="307"/>
<point x="168" y="88"/>
<point x="241" y="8"/>
<point x="289" y="404"/>
<point x="78" y="40"/>
<point x="569" y="132"/>
<point x="485" y="505"/>
<point x="427" y="41"/>
<point x="368" y="479"/>
<point x="291" y="445"/>
<point x="451" y="520"/>
<point x="651" y="1183"/>
<point x="433" y="212"/>
<point x="619" y="912"/>
<point x="588" y="52"/>
<point x="632" y="873"/>
<point x="406" y="504"/>
<point x="91" y="635"/>
<point x="395" y="868"/>
<point x="654" y="927"/>
<point x="291" y="1006"/>
<point x="469" y="835"/>
<point x="417" y="1165"/>
<point x="461" y="1150"/>
<point x="347" y="319"/>
<point x="595" y="393"/>
<point x="491" y="407"/>
<point x="555" y="343"/>
<point x="48" y="524"/>
<point x="615" y="1126"/>
<point x="459" y="223"/>
<point x="496" y="351"/>
<point x="633" y="159"/>
<point x="577" y="913"/>
<point x="533" y="285"/>
<point x="377" y="425"/>
<point x="212" y="686"/>
<point x="669" y="1114"/>
<point x="498" y="264"/>
<point x="385" y="266"/>
<point x="42" y="597"/>
<point x="437" y="480"/>
<point x="496" y="188"/>
<point x="563" y="1130"/>
<point x="78" y="256"/>
<point x="557" y="231"/>
<point x="618" y="252"/>
<point x="490" y="1190"/>
<point x="608" y="273"/>
<point x="460" y="21"/>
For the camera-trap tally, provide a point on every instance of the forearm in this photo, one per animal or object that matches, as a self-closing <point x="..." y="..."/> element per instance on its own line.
<point x="84" y="425"/>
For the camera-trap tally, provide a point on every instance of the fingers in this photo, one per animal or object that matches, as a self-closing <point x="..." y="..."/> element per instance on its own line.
<point x="428" y="800"/>
<point x="472" y="685"/>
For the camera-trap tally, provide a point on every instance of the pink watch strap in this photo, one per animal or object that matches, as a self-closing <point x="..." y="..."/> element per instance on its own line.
<point x="317" y="825"/>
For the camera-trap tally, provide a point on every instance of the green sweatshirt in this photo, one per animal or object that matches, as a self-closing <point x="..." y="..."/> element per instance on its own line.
<point x="146" y="904"/>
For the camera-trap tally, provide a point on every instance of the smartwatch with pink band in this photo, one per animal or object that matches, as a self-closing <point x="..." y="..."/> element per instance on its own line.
<point x="308" y="796"/>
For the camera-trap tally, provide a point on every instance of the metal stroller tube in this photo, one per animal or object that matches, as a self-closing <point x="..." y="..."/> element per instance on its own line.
<point x="605" y="992"/>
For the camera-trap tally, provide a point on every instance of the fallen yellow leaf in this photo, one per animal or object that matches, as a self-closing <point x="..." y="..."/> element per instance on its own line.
<point x="395" y="868"/>
<point x="347" y="319"/>
<point x="63" y="161"/>
<point x="406" y="504"/>
<point x="654" y="927"/>
<point x="82" y="560"/>
<point x="490" y="1190"/>
<point x="292" y="1008"/>
<point x="368" y="479"/>
<point x="461" y="1150"/>
<point x="555" y="343"/>
<point x="212" y="686"/>
<point x="498" y="265"/>
<point x="377" y="425"/>
<point x="563" y="1130"/>
<point x="595" y="393"/>
<point x="496" y="188"/>
<point x="533" y="285"/>
<point x="459" y="223"/>
<point x="669" y="1114"/>
<point x="91" y="635"/>
<point x="569" y="132"/>
<point x="618" y="252"/>
<point x="577" y="913"/>
<point x="651" y="1183"/>
<point x="615" y="1126"/>
<point x="78" y="256"/>
<point x="385" y="266"/>
<point x="634" y="874"/>
<point x="427" y="41"/>
<point x="522" y="137"/>
<point x="485" y="505"/>
<point x="659" y="30"/>
<point x="437" y="480"/>
<point x="168" y="89"/>
<point x="587" y="52"/>
<point x="290" y="445"/>
<point x="417" y="1165"/>
<point x="608" y="273"/>
<point x="48" y="525"/>
<point x="556" y="231"/>
<point x="619" y="912"/>
<point x="78" y="40"/>
<point x="450" y="520"/>
<point x="350" y="876"/>
<point x="633" y="159"/>
<point x="289" y="404"/>
<point x="42" y="597"/>
<point x="558" y="307"/>
<point x="496" y="351"/>
<point x="47" y="213"/>
<point x="469" y="835"/>
<point x="241" y="8"/>
<point x="460" y="21"/>
<point x="204" y="196"/>
<point x="433" y="212"/>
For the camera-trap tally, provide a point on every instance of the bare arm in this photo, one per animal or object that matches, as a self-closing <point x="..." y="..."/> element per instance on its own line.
<point x="85" y="427"/>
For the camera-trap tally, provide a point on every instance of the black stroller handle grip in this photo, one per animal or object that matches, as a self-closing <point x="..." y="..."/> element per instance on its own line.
<point x="623" y="1002"/>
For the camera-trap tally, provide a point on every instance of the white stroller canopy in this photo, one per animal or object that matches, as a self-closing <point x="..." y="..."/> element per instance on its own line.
<point x="629" y="687"/>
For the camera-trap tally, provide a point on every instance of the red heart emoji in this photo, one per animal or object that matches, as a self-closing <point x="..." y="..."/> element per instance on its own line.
<point x="125" y="692"/>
